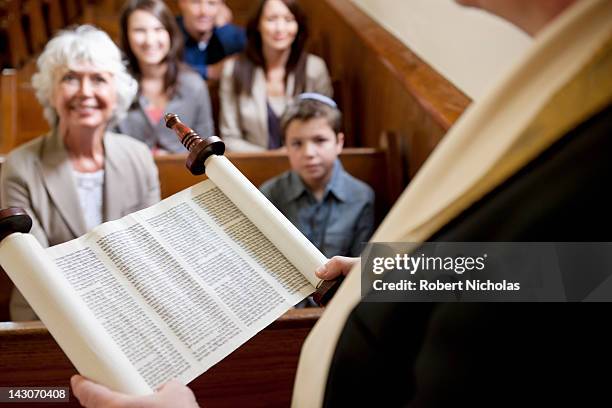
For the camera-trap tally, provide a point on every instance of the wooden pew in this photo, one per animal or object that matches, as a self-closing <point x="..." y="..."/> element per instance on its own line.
<point x="37" y="26"/>
<point x="366" y="164"/>
<point x="53" y="14"/>
<point x="12" y="27"/>
<point x="71" y="11"/>
<point x="241" y="9"/>
<point x="384" y="85"/>
<point x="23" y="21"/>
<point x="22" y="115"/>
<point x="8" y="104"/>
<point x="25" y="25"/>
<point x="6" y="287"/>
<point x="259" y="373"/>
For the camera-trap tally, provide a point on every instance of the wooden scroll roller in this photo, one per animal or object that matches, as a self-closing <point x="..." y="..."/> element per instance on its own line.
<point x="199" y="149"/>
<point x="326" y="290"/>
<point x="14" y="219"/>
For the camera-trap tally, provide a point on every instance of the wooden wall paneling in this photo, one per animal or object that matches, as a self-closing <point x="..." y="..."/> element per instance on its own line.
<point x="242" y="10"/>
<point x="53" y="15"/>
<point x="5" y="52"/>
<point x="30" y="117"/>
<point x="215" y="102"/>
<point x="22" y="115"/>
<point x="24" y="74"/>
<point x="71" y="11"/>
<point x="108" y="6"/>
<point x="92" y="14"/>
<point x="13" y="26"/>
<point x="173" y="6"/>
<point x="104" y="15"/>
<point x="2" y="118"/>
<point x="387" y="85"/>
<point x="396" y="151"/>
<point x="82" y="4"/>
<point x="6" y="287"/>
<point x="323" y="44"/>
<point x="9" y="110"/>
<point x="366" y="164"/>
<point x="37" y="27"/>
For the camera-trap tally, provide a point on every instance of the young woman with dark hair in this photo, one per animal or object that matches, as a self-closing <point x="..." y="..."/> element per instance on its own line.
<point x="153" y="44"/>
<point x="257" y="86"/>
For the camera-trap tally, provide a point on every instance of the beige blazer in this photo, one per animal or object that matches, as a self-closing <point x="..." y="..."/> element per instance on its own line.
<point x="244" y="119"/>
<point x="38" y="177"/>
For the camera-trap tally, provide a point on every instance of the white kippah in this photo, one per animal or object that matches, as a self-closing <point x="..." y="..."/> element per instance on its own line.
<point x="318" y="97"/>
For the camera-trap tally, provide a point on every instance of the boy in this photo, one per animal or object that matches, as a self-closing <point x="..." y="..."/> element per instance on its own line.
<point x="331" y="208"/>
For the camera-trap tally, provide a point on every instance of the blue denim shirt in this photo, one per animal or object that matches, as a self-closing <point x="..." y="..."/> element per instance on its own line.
<point x="226" y="40"/>
<point x="338" y="224"/>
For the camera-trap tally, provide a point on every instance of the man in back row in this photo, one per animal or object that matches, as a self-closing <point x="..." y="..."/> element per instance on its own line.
<point x="209" y="37"/>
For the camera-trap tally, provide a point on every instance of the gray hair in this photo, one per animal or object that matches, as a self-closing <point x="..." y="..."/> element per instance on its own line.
<point x="84" y="43"/>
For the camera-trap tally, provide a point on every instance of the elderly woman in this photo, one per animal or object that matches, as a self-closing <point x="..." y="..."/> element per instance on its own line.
<point x="79" y="174"/>
<point x="257" y="87"/>
<point x="153" y="44"/>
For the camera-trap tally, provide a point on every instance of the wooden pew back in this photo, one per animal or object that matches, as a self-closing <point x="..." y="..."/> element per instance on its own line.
<point x="261" y="370"/>
<point x="384" y="86"/>
<point x="37" y="26"/>
<point x="6" y="287"/>
<point x="367" y="164"/>
<point x="11" y="26"/>
<point x="27" y="25"/>
<point x="53" y="15"/>
<point x="22" y="115"/>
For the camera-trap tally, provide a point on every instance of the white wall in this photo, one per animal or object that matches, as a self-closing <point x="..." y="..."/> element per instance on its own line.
<point x="469" y="47"/>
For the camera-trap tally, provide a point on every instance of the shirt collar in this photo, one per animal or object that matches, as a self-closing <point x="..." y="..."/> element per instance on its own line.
<point x="335" y="186"/>
<point x="296" y="187"/>
<point x="189" y="40"/>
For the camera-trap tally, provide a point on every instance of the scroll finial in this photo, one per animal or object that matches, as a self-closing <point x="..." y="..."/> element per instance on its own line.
<point x="199" y="149"/>
<point x="14" y="219"/>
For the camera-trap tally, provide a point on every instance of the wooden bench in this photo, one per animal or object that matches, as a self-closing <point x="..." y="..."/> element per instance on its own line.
<point x="384" y="86"/>
<point x="38" y="32"/>
<point x="53" y="12"/>
<point x="11" y="28"/>
<point x="22" y="115"/>
<point x="366" y="164"/>
<point x="259" y="373"/>
<point x="27" y="25"/>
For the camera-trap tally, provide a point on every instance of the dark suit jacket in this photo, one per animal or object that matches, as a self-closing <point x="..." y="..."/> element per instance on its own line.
<point x="425" y="354"/>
